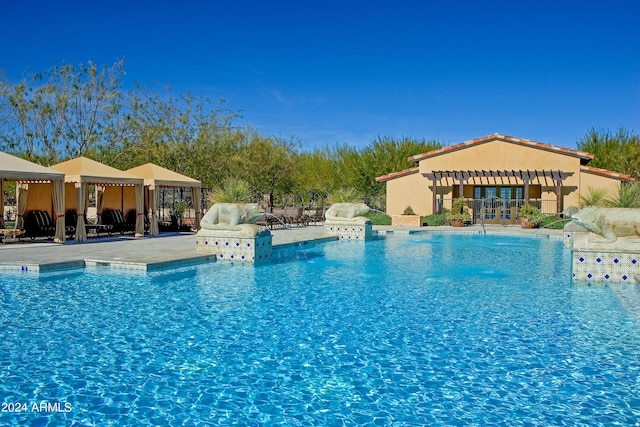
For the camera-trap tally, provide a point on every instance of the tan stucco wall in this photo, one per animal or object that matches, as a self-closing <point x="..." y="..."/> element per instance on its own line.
<point x="70" y="196"/>
<point x="40" y="198"/>
<point x="588" y="180"/>
<point x="129" y="199"/>
<point x="411" y="190"/>
<point x="112" y="198"/>
<point x="415" y="190"/>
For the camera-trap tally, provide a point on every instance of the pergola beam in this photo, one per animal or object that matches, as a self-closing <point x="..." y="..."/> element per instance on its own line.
<point x="526" y="176"/>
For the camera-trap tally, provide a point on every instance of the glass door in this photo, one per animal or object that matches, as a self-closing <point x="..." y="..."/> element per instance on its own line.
<point x="505" y="199"/>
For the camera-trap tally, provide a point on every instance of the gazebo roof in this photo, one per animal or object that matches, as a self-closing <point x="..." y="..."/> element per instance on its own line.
<point x="153" y="174"/>
<point x="17" y="169"/>
<point x="82" y="169"/>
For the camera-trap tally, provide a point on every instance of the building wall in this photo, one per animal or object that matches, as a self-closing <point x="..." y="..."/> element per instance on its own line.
<point x="410" y="190"/>
<point x="70" y="196"/>
<point x="40" y="198"/>
<point x="589" y="180"/>
<point x="416" y="190"/>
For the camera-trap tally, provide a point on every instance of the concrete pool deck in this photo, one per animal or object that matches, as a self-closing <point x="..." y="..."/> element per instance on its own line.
<point x="174" y="249"/>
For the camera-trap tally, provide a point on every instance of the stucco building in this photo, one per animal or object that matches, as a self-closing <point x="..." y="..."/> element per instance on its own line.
<point x="497" y="174"/>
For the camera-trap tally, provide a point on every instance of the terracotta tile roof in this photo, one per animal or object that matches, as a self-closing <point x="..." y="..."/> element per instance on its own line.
<point x="607" y="173"/>
<point x="394" y="175"/>
<point x="496" y="136"/>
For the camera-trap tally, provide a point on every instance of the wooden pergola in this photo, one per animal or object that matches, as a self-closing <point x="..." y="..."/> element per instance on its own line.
<point x="526" y="176"/>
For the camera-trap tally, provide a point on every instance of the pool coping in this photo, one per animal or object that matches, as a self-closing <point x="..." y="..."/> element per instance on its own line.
<point x="176" y="259"/>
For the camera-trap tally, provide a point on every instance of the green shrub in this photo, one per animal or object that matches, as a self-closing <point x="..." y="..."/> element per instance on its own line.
<point x="628" y="197"/>
<point x="459" y="211"/>
<point x="552" y="222"/>
<point x="531" y="213"/>
<point x="379" y="218"/>
<point x="231" y="191"/>
<point x="345" y="195"/>
<point x="435" y="220"/>
<point x="593" y="197"/>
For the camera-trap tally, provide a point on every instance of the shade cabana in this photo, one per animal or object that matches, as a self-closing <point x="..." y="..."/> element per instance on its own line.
<point x="13" y="168"/>
<point x="81" y="172"/>
<point x="155" y="177"/>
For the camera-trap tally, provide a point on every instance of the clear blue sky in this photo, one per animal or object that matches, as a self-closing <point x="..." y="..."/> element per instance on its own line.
<point x="344" y="72"/>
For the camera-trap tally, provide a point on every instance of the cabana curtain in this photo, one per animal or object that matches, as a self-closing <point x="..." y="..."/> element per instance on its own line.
<point x="22" y="192"/>
<point x="81" y="206"/>
<point x="2" y="203"/>
<point x="197" y="203"/>
<point x="99" y="202"/>
<point x="154" y="229"/>
<point x="139" y="191"/>
<point x="57" y="191"/>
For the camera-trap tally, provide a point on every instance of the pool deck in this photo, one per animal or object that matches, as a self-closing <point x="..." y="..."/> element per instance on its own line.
<point x="173" y="249"/>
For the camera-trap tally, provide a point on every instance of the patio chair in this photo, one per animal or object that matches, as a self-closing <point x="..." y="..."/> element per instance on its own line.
<point x="294" y="215"/>
<point x="117" y="221"/>
<point x="38" y="223"/>
<point x="318" y="215"/>
<point x="131" y="220"/>
<point x="70" y="222"/>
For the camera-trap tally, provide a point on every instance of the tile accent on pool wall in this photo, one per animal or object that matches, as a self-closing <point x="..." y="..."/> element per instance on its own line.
<point x="605" y="266"/>
<point x="350" y="232"/>
<point x="236" y="249"/>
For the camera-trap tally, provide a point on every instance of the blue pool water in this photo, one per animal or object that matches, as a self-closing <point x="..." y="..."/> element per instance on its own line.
<point x="403" y="331"/>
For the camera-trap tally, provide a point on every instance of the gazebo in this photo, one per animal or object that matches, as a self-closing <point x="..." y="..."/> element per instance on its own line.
<point x="81" y="172"/>
<point x="154" y="177"/>
<point x="22" y="171"/>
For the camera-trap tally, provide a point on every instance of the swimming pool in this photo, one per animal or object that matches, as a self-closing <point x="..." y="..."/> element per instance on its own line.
<point x="435" y="329"/>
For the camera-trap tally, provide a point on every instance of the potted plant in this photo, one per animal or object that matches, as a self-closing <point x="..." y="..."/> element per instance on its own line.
<point x="459" y="213"/>
<point x="530" y="216"/>
<point x="408" y="218"/>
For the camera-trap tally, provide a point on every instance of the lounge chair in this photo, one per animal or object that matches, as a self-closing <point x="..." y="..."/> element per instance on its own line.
<point x="70" y="222"/>
<point x="131" y="220"/>
<point x="39" y="223"/>
<point x="117" y="221"/>
<point x="318" y="215"/>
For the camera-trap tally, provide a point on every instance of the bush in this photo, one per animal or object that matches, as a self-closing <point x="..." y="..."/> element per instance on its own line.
<point x="531" y="213"/>
<point x="379" y="218"/>
<point x="435" y="220"/>
<point x="345" y="195"/>
<point x="231" y="191"/>
<point x="459" y="211"/>
<point x="552" y="222"/>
